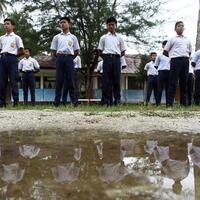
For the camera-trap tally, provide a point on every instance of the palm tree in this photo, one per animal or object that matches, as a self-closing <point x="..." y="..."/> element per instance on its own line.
<point x="198" y="31"/>
<point x="3" y="6"/>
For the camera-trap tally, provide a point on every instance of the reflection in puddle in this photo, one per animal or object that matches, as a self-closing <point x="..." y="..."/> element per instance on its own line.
<point x="85" y="165"/>
<point x="12" y="173"/>
<point x="66" y="173"/>
<point x="29" y="151"/>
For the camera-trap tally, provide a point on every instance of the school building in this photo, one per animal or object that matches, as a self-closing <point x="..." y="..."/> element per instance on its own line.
<point x="132" y="91"/>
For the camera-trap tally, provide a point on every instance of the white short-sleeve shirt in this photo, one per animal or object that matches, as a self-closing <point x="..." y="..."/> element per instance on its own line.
<point x="196" y="60"/>
<point x="65" y="43"/>
<point x="150" y="68"/>
<point x="162" y="62"/>
<point x="77" y="62"/>
<point x="191" y="69"/>
<point x="10" y="43"/>
<point x="178" y="46"/>
<point x="28" y="64"/>
<point x="111" y="44"/>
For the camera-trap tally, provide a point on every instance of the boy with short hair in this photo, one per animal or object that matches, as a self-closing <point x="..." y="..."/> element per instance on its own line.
<point x="65" y="48"/>
<point x="152" y="78"/>
<point x="179" y="49"/>
<point x="111" y="48"/>
<point x="11" y="46"/>
<point x="28" y="66"/>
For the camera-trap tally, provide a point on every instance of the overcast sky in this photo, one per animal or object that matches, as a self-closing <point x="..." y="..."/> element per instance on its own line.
<point x="175" y="10"/>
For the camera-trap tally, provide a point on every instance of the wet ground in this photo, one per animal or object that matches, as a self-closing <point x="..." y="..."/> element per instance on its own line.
<point x="92" y="165"/>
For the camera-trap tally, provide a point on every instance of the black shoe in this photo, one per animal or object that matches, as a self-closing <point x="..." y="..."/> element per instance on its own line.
<point x="116" y="103"/>
<point x="75" y="104"/>
<point x="15" y="104"/>
<point x="56" y="104"/>
<point x="2" y="105"/>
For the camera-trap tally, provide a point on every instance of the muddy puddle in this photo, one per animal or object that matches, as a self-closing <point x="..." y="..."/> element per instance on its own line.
<point x="90" y="165"/>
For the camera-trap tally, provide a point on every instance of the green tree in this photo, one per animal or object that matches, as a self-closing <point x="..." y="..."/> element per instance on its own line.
<point x="25" y="29"/>
<point x="3" y="6"/>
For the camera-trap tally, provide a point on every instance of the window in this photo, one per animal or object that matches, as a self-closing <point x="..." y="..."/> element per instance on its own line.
<point x="99" y="82"/>
<point x="133" y="84"/>
<point x="49" y="82"/>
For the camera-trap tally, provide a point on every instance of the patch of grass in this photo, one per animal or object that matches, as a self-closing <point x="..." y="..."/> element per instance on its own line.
<point x="150" y="110"/>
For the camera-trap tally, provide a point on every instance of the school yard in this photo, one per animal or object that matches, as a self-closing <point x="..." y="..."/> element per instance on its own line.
<point x="123" y="119"/>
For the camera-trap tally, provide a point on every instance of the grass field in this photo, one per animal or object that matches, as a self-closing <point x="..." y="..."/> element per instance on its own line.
<point x="99" y="108"/>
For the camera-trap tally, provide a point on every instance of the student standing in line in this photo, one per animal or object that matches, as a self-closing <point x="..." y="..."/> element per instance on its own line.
<point x="152" y="78"/>
<point x="195" y="62"/>
<point x="65" y="48"/>
<point x="179" y="49"/>
<point x="162" y="64"/>
<point x="28" y="66"/>
<point x="11" y="46"/>
<point x="190" y="85"/>
<point x="77" y="65"/>
<point x="111" y="48"/>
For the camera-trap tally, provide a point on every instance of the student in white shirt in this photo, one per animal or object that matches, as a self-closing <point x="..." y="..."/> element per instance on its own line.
<point x="152" y="78"/>
<point x="111" y="48"/>
<point x="77" y="65"/>
<point x="162" y="64"/>
<point x="11" y="46"/>
<point x="28" y="66"/>
<point x="179" y="49"/>
<point x="195" y="62"/>
<point x="65" y="48"/>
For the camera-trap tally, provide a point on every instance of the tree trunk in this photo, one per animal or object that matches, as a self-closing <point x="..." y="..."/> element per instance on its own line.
<point x="198" y="31"/>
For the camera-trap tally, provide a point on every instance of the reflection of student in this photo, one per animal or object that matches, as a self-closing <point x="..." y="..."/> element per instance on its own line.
<point x="77" y="65"/>
<point x="12" y="173"/>
<point x="110" y="167"/>
<point x="194" y="153"/>
<point x="175" y="164"/>
<point x="70" y="171"/>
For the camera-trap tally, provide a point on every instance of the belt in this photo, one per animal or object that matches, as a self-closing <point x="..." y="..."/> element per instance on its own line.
<point x="182" y="57"/>
<point x="111" y="55"/>
<point x="152" y="75"/>
<point x="31" y="71"/>
<point x="7" y="54"/>
<point x="64" y="54"/>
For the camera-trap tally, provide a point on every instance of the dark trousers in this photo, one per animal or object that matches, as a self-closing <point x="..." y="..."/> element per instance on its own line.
<point x="8" y="70"/>
<point x="163" y="83"/>
<point x="179" y="69"/>
<point x="28" y="80"/>
<point x="65" y="78"/>
<point x="152" y="85"/>
<point x="190" y="87"/>
<point x="111" y="80"/>
<point x="197" y="87"/>
<point x="66" y="88"/>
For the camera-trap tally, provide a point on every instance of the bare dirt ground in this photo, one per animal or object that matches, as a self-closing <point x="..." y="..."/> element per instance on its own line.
<point x="128" y="122"/>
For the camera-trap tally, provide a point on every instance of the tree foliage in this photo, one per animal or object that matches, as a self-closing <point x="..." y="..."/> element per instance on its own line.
<point x="88" y="19"/>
